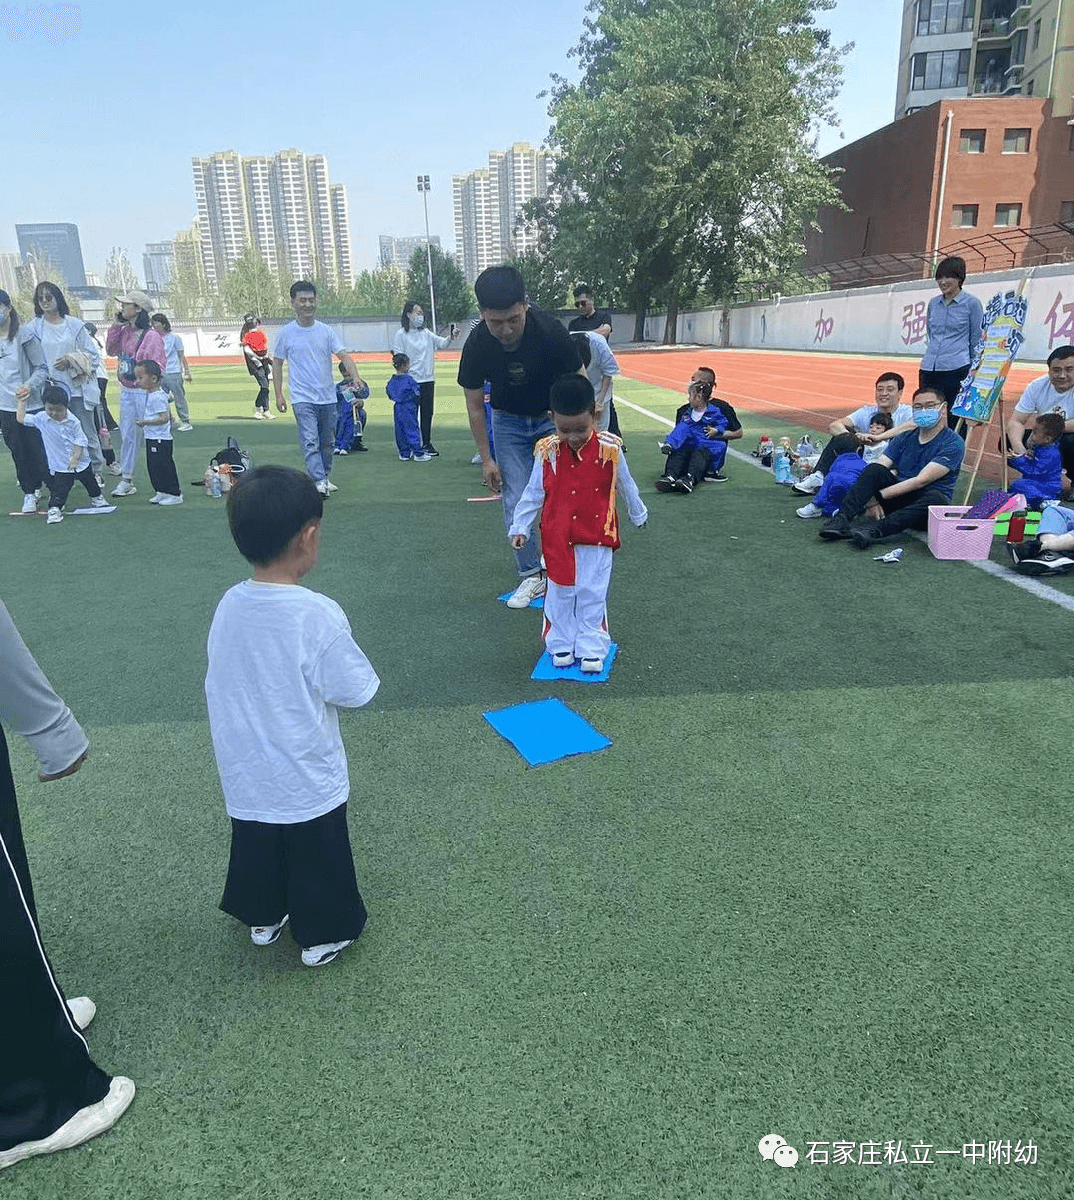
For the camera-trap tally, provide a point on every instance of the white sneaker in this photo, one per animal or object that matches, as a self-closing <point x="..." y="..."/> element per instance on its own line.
<point x="810" y="510"/>
<point x="186" y="427"/>
<point x="269" y="416"/>
<point x="475" y="460"/>
<point x="321" y="956"/>
<point x="331" y="486"/>
<point x="99" y="478"/>
<point x="564" y="659"/>
<point x="114" y="469"/>
<point x="322" y="486"/>
<point x="29" y="503"/>
<point x="810" y="485"/>
<point x="85" y="1124"/>
<point x="529" y="589"/>
<point x="99" y="502"/>
<point x="166" y="500"/>
<point x="265" y="935"/>
<point x="55" y="516"/>
<point x="124" y="488"/>
<point x="422" y="457"/>
<point x="592" y="666"/>
<point x="260" y="414"/>
<point x="156" y="498"/>
<point x="82" y="1010"/>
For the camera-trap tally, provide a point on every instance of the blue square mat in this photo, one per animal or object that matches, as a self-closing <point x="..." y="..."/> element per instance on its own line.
<point x="544" y="731"/>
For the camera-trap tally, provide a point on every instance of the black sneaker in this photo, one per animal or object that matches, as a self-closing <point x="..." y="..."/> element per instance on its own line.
<point x="431" y="450"/>
<point x="666" y="483"/>
<point x="864" y="536"/>
<point x="1048" y="562"/>
<point x="836" y="529"/>
<point x="359" y="446"/>
<point x="715" y="477"/>
<point x="1020" y="551"/>
<point x="685" y="484"/>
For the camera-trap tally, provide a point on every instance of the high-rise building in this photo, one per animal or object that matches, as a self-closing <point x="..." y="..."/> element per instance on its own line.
<point x="958" y="48"/>
<point x="398" y="251"/>
<point x="285" y="206"/>
<point x="488" y="205"/>
<point x="57" y="244"/>
<point x="9" y="280"/>
<point x="158" y="261"/>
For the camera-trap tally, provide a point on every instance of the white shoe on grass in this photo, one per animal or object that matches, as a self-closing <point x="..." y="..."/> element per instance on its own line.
<point x="29" y="503"/>
<point x="82" y="1010"/>
<point x="592" y="666"/>
<point x="331" y="486"/>
<point x="55" y="516"/>
<point x="99" y="502"/>
<point x="810" y="485"/>
<point x="322" y="486"/>
<point x="321" y="956"/>
<point x="166" y="500"/>
<point x="529" y="589"/>
<point x="88" y="1122"/>
<point x="124" y="488"/>
<point x="476" y="460"/>
<point x="185" y="427"/>
<point x="809" y="511"/>
<point x="564" y="658"/>
<point x="265" y="935"/>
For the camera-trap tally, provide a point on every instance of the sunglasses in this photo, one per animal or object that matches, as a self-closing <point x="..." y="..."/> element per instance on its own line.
<point x="580" y="303"/>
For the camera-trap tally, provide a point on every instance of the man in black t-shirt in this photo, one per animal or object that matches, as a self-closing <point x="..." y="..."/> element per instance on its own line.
<point x="594" y="320"/>
<point x="520" y="351"/>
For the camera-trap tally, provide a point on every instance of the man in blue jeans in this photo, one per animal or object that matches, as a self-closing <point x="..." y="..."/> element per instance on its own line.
<point x="309" y="345"/>
<point x="520" y="351"/>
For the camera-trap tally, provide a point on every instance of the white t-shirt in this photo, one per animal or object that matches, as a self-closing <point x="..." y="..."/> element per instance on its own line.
<point x="420" y="346"/>
<point x="155" y="404"/>
<point x="861" y="417"/>
<point x="60" y="438"/>
<point x="173" y="347"/>
<point x="309" y="349"/>
<point x="281" y="662"/>
<point x="1040" y="397"/>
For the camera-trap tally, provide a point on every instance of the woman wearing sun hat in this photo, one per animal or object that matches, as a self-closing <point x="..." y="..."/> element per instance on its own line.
<point x="131" y="339"/>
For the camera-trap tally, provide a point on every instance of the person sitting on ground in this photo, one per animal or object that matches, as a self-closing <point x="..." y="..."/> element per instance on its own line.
<point x="351" y="418"/>
<point x="690" y="446"/>
<point x="851" y="433"/>
<point x="1051" y="393"/>
<point x="1041" y="467"/>
<point x="846" y="469"/>
<point x="732" y="433"/>
<point x="1051" y="552"/>
<point x="917" y="469"/>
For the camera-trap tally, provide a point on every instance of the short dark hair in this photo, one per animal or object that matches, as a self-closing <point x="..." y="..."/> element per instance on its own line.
<point x="882" y="419"/>
<point x="161" y="319"/>
<point x="891" y="377"/>
<point x="583" y="289"/>
<point x="302" y="285"/>
<point x="267" y="508"/>
<point x="1051" y="425"/>
<point x="500" y="288"/>
<point x="585" y="350"/>
<point x="55" y="393"/>
<point x="150" y="367"/>
<point x="571" y="395"/>
<point x="1060" y="352"/>
<point x="930" y="391"/>
<point x="951" y="268"/>
<point x="61" y="304"/>
<point x="399" y="361"/>
<point x="708" y="371"/>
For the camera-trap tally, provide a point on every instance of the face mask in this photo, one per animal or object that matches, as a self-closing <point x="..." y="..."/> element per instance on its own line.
<point x="926" y="418"/>
<point x="417" y="322"/>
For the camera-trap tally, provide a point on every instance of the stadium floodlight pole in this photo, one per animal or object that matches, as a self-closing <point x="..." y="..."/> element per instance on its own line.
<point x="423" y="187"/>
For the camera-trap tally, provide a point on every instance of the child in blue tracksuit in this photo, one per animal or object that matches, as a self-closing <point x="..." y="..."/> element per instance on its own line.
<point x="845" y="469"/>
<point x="690" y="445"/>
<point x="1041" y="466"/>
<point x="403" y="392"/>
<point x="350" y="416"/>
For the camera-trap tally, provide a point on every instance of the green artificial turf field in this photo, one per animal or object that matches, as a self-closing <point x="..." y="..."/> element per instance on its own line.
<point x="819" y="885"/>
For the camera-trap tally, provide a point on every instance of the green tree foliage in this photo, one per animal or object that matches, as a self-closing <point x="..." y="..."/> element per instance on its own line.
<point x="252" y="286"/>
<point x="381" y="291"/>
<point x="454" y="297"/>
<point x="685" y="153"/>
<point x="548" y="284"/>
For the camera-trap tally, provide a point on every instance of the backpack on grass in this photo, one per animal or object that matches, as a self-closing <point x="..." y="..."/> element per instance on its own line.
<point x="236" y="458"/>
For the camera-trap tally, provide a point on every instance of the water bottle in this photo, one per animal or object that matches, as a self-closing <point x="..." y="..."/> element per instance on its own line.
<point x="106" y="438"/>
<point x="782" y="466"/>
<point x="216" y="493"/>
<point x="804" y="449"/>
<point x="207" y="481"/>
<point x="1016" y="531"/>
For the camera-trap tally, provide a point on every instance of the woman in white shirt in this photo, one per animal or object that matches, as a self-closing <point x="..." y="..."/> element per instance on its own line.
<point x="22" y="374"/>
<point x="420" y="345"/>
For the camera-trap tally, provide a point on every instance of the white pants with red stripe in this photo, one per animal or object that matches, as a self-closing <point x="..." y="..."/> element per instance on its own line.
<point x="576" y="618"/>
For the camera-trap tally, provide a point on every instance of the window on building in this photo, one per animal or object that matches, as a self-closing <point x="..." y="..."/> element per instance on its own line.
<point x="1016" y="141"/>
<point x="1036" y="33"/>
<point x="971" y="141"/>
<point x="964" y="216"/>
<point x="1008" y="215"/>
<point x="944" y="16"/>
<point x="1066" y="211"/>
<point x="939" y="69"/>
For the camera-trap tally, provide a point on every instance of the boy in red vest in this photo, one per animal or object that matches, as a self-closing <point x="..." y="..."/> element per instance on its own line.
<point x="576" y="474"/>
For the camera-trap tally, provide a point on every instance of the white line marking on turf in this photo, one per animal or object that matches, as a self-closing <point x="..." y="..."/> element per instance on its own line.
<point x="1027" y="583"/>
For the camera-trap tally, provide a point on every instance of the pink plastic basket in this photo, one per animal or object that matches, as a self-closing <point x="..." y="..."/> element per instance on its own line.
<point x="952" y="536"/>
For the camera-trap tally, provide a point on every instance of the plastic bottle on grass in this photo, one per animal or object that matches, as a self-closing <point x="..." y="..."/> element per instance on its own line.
<point x="1016" y="531"/>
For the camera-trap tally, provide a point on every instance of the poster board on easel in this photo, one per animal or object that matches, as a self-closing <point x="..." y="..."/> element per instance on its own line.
<point x="1003" y="334"/>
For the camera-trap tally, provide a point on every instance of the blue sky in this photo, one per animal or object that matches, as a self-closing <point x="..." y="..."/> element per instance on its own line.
<point x="385" y="90"/>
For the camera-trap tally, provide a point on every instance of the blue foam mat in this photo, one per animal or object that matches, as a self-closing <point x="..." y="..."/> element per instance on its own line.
<point x="545" y="671"/>
<point x="544" y="731"/>
<point x="536" y="603"/>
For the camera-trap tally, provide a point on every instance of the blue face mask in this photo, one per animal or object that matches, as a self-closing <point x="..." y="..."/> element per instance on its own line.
<point x="926" y="418"/>
<point x="417" y="322"/>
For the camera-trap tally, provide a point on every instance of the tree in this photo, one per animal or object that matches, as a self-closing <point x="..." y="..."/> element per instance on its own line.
<point x="118" y="273"/>
<point x="454" y="297"/>
<point x="251" y="286"/>
<point x="383" y="290"/>
<point x="685" y="153"/>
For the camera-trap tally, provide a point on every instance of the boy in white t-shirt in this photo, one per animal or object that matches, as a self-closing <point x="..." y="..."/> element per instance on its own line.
<point x="282" y="662"/>
<point x="66" y="449"/>
<point x="156" y="423"/>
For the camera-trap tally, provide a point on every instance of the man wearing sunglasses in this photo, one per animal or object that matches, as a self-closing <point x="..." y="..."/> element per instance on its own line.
<point x="919" y="468"/>
<point x="591" y="319"/>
